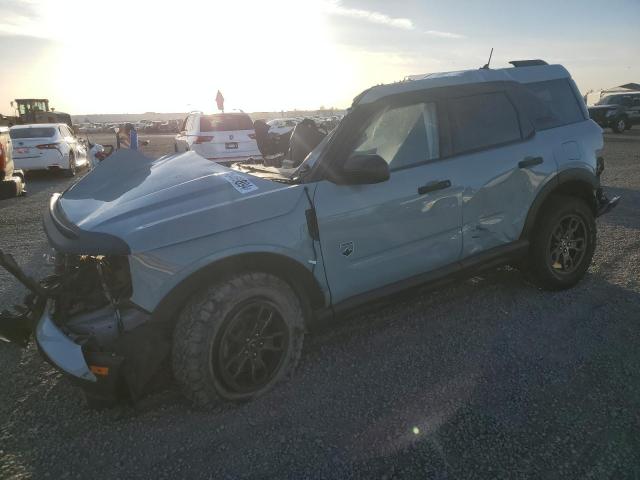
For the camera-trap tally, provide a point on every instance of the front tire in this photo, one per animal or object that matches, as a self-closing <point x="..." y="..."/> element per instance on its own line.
<point x="237" y="339"/>
<point x="563" y="243"/>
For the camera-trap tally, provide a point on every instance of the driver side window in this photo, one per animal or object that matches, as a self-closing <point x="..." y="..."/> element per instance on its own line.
<point x="402" y="136"/>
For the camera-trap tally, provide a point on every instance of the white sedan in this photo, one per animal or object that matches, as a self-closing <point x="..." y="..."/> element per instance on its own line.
<point x="47" y="146"/>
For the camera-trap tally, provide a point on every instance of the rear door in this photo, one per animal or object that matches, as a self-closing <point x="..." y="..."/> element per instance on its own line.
<point x="69" y="138"/>
<point x="634" y="110"/>
<point x="505" y="165"/>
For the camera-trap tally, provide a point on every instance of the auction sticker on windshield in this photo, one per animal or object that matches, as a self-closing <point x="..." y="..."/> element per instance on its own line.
<point x="240" y="183"/>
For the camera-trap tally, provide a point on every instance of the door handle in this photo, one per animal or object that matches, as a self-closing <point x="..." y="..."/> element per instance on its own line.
<point x="530" y="162"/>
<point x="433" y="186"/>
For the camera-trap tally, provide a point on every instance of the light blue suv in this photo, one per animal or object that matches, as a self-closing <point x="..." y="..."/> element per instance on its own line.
<point x="219" y="270"/>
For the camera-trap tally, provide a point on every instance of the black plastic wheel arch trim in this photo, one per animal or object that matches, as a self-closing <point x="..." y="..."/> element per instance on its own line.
<point x="570" y="175"/>
<point x="66" y="237"/>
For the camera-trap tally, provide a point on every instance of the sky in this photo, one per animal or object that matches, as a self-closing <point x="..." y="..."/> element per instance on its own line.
<point x="135" y="56"/>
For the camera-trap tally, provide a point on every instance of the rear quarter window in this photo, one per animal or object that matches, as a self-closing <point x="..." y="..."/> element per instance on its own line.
<point x="482" y="121"/>
<point x="225" y="123"/>
<point x="559" y="104"/>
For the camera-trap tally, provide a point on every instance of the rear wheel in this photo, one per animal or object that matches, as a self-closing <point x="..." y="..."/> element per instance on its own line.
<point x="237" y="339"/>
<point x="619" y="125"/>
<point x="71" y="171"/>
<point x="563" y="243"/>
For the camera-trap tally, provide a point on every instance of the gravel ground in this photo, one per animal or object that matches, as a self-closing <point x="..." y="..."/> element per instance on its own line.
<point x="487" y="378"/>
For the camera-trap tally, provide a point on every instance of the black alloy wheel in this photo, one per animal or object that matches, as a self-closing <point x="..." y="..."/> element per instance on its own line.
<point x="251" y="346"/>
<point x="568" y="244"/>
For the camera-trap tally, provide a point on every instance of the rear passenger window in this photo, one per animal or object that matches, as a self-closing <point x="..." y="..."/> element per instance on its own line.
<point x="482" y="121"/>
<point x="560" y="101"/>
<point x="402" y="136"/>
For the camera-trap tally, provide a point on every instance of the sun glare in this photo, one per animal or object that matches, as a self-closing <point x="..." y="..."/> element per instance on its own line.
<point x="178" y="56"/>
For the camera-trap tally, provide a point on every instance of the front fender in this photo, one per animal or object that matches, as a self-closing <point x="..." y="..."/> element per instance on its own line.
<point x="156" y="273"/>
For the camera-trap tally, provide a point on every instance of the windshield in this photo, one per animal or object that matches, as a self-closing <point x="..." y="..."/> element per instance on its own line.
<point x="610" y="100"/>
<point x="37" y="132"/>
<point x="311" y="159"/>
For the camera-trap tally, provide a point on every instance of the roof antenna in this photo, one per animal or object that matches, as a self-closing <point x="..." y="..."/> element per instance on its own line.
<point x="486" y="66"/>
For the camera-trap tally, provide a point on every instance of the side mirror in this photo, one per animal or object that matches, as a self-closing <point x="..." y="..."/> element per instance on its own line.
<point x="364" y="170"/>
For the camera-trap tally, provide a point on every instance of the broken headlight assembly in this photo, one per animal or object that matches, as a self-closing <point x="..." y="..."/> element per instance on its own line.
<point x="85" y="324"/>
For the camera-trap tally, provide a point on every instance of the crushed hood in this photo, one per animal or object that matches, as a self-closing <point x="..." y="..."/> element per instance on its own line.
<point x="155" y="203"/>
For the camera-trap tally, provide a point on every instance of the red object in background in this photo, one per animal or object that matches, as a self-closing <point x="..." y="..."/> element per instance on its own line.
<point x="220" y="101"/>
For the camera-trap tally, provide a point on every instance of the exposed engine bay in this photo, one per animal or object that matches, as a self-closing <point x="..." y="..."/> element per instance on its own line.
<point x="87" y="299"/>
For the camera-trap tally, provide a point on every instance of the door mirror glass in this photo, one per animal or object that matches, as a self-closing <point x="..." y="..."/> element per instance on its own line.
<point x="364" y="170"/>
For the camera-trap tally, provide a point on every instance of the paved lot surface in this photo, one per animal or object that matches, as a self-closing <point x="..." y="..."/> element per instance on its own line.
<point x="487" y="378"/>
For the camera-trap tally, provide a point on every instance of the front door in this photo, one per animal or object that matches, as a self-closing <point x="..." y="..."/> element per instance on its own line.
<point x="375" y="235"/>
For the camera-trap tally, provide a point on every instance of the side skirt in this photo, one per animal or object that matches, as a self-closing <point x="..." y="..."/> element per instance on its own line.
<point x="492" y="258"/>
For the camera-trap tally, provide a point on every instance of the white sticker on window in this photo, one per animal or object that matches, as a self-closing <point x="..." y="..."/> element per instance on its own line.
<point x="240" y="183"/>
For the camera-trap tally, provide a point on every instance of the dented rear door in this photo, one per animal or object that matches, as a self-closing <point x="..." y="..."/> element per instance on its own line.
<point x="504" y="167"/>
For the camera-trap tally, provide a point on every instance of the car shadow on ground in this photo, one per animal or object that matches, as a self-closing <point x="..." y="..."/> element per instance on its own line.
<point x="546" y="386"/>
<point x="632" y="135"/>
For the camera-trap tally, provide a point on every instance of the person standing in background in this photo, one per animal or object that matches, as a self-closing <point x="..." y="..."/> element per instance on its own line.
<point x="127" y="137"/>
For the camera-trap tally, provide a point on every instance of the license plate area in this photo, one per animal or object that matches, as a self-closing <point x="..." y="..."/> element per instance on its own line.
<point x="231" y="145"/>
<point x="22" y="150"/>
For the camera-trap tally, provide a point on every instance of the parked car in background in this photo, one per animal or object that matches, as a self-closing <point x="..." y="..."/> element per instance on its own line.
<point x="47" y="146"/>
<point x="618" y="112"/>
<point x="223" y="137"/>
<point x="280" y="126"/>
<point x="11" y="180"/>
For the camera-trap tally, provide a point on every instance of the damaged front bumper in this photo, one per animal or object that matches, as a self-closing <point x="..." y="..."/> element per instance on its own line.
<point x="112" y="349"/>
<point x="59" y="349"/>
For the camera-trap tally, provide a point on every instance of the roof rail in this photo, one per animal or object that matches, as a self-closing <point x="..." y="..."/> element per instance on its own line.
<point x="527" y="63"/>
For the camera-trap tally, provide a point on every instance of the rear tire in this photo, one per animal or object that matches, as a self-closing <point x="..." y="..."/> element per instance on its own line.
<point x="237" y="339"/>
<point x="563" y="243"/>
<point x="619" y="125"/>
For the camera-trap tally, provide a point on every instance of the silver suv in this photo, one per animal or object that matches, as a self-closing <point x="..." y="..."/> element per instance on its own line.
<point x="219" y="270"/>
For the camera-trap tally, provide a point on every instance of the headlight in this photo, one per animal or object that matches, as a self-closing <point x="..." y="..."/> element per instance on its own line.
<point x="610" y="113"/>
